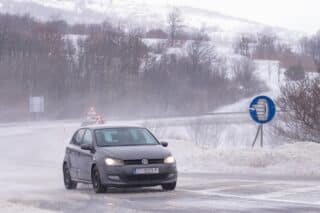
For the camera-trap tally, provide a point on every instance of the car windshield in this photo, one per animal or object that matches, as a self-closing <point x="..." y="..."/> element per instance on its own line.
<point x="124" y="137"/>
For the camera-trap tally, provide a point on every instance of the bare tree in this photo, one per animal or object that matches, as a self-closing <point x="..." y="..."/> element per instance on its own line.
<point x="174" y="24"/>
<point x="242" y="45"/>
<point x="201" y="51"/>
<point x="266" y="46"/>
<point x="311" y="47"/>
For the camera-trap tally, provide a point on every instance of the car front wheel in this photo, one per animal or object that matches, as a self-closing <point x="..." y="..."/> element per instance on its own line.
<point x="98" y="187"/>
<point x="68" y="182"/>
<point x="169" y="186"/>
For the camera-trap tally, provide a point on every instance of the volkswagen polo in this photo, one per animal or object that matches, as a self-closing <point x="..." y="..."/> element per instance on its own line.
<point x="106" y="156"/>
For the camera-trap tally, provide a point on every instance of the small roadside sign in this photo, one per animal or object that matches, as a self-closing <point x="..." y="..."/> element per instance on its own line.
<point x="36" y="104"/>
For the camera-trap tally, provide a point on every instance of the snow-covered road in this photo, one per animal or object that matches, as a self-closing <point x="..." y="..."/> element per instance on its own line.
<point x="31" y="180"/>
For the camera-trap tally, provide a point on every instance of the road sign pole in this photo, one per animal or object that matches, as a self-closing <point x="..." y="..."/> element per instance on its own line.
<point x="261" y="132"/>
<point x="256" y="137"/>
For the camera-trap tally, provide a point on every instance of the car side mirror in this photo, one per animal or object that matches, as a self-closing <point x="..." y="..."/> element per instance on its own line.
<point x="164" y="144"/>
<point x="88" y="147"/>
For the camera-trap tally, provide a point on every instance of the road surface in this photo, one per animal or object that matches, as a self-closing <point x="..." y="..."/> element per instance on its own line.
<point x="31" y="181"/>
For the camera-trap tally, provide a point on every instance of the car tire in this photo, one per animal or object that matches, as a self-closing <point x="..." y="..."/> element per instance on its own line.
<point x="169" y="186"/>
<point x="98" y="187"/>
<point x="68" y="182"/>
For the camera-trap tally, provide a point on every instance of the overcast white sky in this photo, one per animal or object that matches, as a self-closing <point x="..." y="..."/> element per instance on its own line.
<point x="303" y="15"/>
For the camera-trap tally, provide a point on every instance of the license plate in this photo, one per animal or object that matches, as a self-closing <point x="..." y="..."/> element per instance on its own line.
<point x="144" y="171"/>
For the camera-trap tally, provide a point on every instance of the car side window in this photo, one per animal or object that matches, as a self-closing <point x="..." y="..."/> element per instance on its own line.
<point x="77" y="138"/>
<point x="87" y="138"/>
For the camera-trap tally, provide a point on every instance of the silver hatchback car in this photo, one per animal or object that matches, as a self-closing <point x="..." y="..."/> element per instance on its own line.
<point x="120" y="156"/>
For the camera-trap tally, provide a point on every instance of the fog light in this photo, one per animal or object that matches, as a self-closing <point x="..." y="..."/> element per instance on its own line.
<point x="114" y="177"/>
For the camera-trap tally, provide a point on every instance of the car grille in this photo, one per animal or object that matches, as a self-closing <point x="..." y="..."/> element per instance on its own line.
<point x="139" y="162"/>
<point x="138" y="178"/>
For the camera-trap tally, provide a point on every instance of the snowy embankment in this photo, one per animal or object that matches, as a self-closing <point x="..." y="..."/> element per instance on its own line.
<point x="298" y="159"/>
<point x="230" y="152"/>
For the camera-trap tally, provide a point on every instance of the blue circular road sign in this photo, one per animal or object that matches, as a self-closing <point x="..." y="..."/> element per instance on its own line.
<point x="262" y="109"/>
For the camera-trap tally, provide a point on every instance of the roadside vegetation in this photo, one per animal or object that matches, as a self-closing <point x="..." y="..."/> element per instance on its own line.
<point x="300" y="103"/>
<point x="78" y="66"/>
<point x="122" y="75"/>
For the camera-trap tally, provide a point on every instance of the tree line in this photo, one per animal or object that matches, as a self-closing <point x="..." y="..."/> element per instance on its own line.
<point x="78" y="66"/>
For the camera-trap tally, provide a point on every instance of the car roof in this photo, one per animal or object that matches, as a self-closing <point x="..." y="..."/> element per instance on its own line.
<point x="108" y="126"/>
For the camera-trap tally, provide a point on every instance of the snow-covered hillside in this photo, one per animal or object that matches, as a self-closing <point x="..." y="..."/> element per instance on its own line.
<point x="139" y="13"/>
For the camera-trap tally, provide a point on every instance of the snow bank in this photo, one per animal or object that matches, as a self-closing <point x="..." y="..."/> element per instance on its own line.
<point x="299" y="159"/>
<point x="227" y="149"/>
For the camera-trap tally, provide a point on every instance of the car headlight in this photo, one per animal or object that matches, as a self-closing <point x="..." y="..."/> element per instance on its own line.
<point x="169" y="160"/>
<point x="114" y="162"/>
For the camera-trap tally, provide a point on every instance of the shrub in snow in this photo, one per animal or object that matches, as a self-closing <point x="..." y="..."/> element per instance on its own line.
<point x="295" y="73"/>
<point x="204" y="134"/>
<point x="300" y="103"/>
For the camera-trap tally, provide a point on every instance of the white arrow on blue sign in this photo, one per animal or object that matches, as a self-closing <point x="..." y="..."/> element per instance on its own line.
<point x="262" y="109"/>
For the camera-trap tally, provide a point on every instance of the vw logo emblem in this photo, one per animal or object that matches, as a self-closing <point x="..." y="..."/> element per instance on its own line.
<point x="145" y="161"/>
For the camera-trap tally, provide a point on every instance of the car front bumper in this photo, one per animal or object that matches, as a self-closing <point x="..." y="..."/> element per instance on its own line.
<point x="121" y="176"/>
